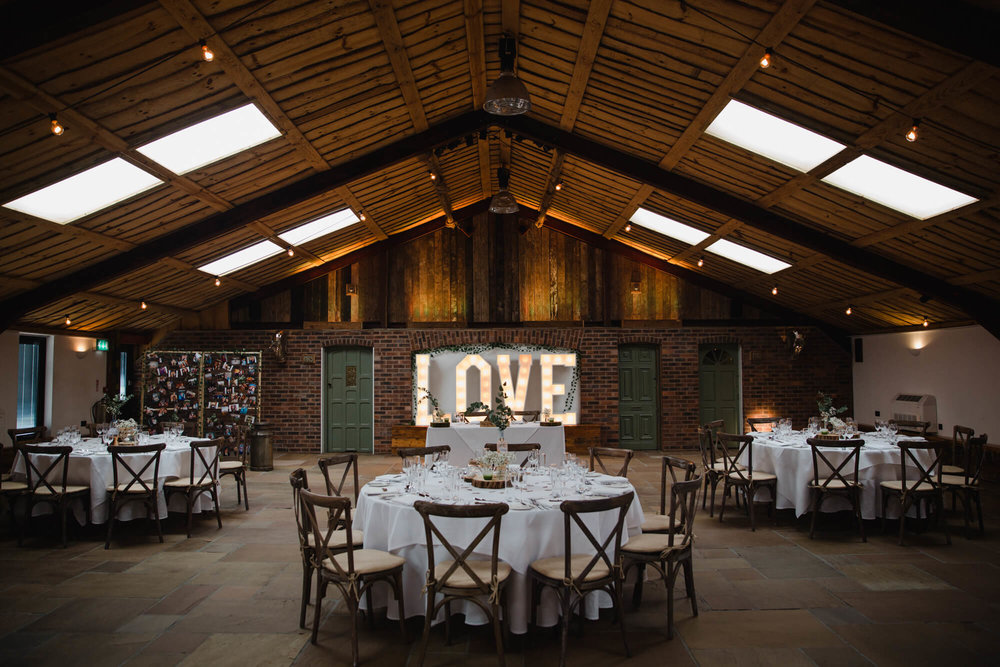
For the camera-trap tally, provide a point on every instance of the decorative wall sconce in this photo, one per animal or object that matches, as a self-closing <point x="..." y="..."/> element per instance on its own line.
<point x="351" y="289"/>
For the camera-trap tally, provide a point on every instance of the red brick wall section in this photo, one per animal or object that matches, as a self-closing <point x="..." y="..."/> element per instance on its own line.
<point x="773" y="383"/>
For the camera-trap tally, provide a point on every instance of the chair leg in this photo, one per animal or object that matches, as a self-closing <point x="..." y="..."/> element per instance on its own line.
<point x="711" y="508"/>
<point x="856" y="499"/>
<point x="239" y="497"/>
<point x="447" y="623"/>
<point x="215" y="499"/>
<point x="725" y="491"/>
<point x="498" y="633"/>
<point x="354" y="605"/>
<point x="369" y="607"/>
<point x="817" y="501"/>
<point x="939" y="508"/>
<point x="156" y="516"/>
<point x="189" y="501"/>
<point x="62" y="520"/>
<point x="428" y="617"/>
<point x="112" y="512"/>
<point x="535" y="598"/>
<point x="689" y="585"/>
<point x="398" y="591"/>
<point x="320" y="592"/>
<point x="637" y="591"/>
<point x="902" y="519"/>
<point x="749" y="491"/>
<point x="306" y="584"/>
<point x="979" y="511"/>
<point x="565" y="627"/>
<point x="246" y="496"/>
<point x="620" y="607"/>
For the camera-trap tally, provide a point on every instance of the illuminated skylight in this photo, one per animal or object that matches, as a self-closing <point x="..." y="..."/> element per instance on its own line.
<point x="897" y="189"/>
<point x="242" y="258"/>
<point x="89" y="191"/>
<point x="772" y="137"/>
<point x="321" y="227"/>
<point x="211" y="140"/>
<point x="668" y="227"/>
<point x="747" y="257"/>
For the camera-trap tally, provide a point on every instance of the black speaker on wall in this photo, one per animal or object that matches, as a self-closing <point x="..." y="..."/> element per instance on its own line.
<point x="859" y="350"/>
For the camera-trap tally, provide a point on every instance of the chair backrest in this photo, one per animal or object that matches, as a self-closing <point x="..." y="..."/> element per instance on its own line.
<point x="519" y="447"/>
<point x="410" y="452"/>
<point x="205" y="461"/>
<point x="339" y="511"/>
<point x="831" y="473"/>
<point x="679" y="470"/>
<point x="191" y="429"/>
<point x="527" y="415"/>
<point x="299" y="480"/>
<point x="910" y="457"/>
<point x="706" y="445"/>
<point x="754" y="422"/>
<point x="328" y="465"/>
<point x="598" y="454"/>
<point x="975" y="454"/>
<point x="136" y="468"/>
<point x="572" y="511"/>
<point x="911" y="426"/>
<point x="25" y="436"/>
<point x="41" y="461"/>
<point x="732" y="447"/>
<point x="683" y="504"/>
<point x="492" y="511"/>
<point x="959" y="439"/>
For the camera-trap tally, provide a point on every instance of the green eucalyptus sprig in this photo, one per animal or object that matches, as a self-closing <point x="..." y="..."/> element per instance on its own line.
<point x="500" y="416"/>
<point x="113" y="404"/>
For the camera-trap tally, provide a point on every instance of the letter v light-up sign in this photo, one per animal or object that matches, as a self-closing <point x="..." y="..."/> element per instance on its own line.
<point x="523" y="375"/>
<point x="549" y="389"/>
<point x="485" y="381"/>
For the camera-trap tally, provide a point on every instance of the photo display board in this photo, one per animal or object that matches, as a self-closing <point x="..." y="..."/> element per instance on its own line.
<point x="218" y="391"/>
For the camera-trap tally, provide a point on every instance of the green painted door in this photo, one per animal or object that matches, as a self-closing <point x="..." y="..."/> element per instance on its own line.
<point x="348" y="410"/>
<point x="719" y="385"/>
<point x="638" y="392"/>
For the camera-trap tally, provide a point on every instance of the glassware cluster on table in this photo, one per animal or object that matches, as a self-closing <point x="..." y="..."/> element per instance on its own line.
<point x="68" y="436"/>
<point x="850" y="429"/>
<point x="173" y="433"/>
<point x="436" y="479"/>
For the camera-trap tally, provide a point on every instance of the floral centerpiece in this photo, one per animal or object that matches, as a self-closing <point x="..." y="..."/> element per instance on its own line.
<point x="500" y="416"/>
<point x="828" y="413"/>
<point x="128" y="431"/>
<point x="437" y="417"/>
<point x="494" y="464"/>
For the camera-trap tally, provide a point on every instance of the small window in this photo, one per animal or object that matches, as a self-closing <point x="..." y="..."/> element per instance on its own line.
<point x="30" y="381"/>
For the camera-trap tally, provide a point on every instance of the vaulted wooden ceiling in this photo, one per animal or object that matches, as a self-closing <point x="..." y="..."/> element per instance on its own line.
<point x="372" y="95"/>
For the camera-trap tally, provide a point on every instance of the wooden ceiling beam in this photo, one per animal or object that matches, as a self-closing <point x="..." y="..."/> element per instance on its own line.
<point x="983" y="310"/>
<point x="74" y="231"/>
<point x="782" y="23"/>
<point x="510" y="17"/>
<point x="440" y="188"/>
<point x="272" y="236"/>
<point x="555" y="173"/>
<point x="240" y="216"/>
<point x="345" y="193"/>
<point x="181" y="265"/>
<point x="101" y="297"/>
<point x="475" y="44"/>
<point x="392" y="40"/>
<point x="196" y="25"/>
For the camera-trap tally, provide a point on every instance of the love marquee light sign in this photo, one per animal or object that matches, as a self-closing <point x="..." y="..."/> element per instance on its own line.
<point x="536" y="378"/>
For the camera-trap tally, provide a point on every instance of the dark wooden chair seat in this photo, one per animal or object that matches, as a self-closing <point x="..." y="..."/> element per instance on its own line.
<point x="910" y="492"/>
<point x="203" y="478"/>
<point x="43" y="464"/>
<point x="837" y="480"/>
<point x="136" y="471"/>
<point x="742" y="478"/>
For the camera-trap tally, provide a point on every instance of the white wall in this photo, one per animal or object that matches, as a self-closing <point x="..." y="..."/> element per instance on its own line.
<point x="960" y="367"/>
<point x="76" y="375"/>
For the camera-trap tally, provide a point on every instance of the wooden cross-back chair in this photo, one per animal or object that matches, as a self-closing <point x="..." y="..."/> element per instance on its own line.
<point x="574" y="575"/>
<point x="328" y="466"/>
<point x="678" y="470"/>
<point x="712" y="464"/>
<point x="838" y="479"/>
<point x="233" y="460"/>
<point x="966" y="485"/>
<point x="959" y="443"/>
<point x="461" y="578"/>
<point x="520" y="447"/>
<point x="353" y="571"/>
<point x="599" y="454"/>
<point x="134" y="484"/>
<point x="411" y="452"/>
<point x="47" y="470"/>
<point x="754" y="422"/>
<point x="527" y="415"/>
<point x="27" y="436"/>
<point x="670" y="551"/>
<point x="926" y="487"/>
<point x="11" y="490"/>
<point x="203" y="477"/>
<point x="742" y="477"/>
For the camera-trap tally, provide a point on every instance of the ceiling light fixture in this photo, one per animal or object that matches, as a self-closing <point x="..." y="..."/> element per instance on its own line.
<point x="433" y="176"/>
<point x="507" y="95"/>
<point x="361" y="215"/>
<point x="911" y="136"/>
<point x="206" y="52"/>
<point x="558" y="187"/>
<point x="503" y="201"/>
<point x="701" y="261"/>
<point x="55" y="126"/>
<point x="628" y="226"/>
<point x="765" y="60"/>
<point x="218" y="281"/>
<point x="774" y="290"/>
<point x="68" y="321"/>
<point x="926" y="322"/>
<point x="849" y="310"/>
<point x="291" y="252"/>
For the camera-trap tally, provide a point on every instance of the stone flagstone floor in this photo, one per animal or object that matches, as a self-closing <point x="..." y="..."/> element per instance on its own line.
<point x="231" y="596"/>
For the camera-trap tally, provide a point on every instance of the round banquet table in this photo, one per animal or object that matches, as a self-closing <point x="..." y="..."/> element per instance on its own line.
<point x="528" y="532"/>
<point x="467" y="440"/>
<point x="790" y="458"/>
<point x="90" y="465"/>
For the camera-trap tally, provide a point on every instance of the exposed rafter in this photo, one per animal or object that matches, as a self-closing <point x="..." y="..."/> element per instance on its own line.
<point x="475" y="43"/>
<point x="345" y="193"/>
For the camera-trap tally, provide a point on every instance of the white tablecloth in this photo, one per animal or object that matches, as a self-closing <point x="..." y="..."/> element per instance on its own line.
<point x="467" y="440"/>
<point x="90" y="464"/>
<point x="790" y="458"/>
<point x="526" y="535"/>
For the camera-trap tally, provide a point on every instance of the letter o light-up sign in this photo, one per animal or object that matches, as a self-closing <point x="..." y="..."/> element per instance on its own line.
<point x="461" y="375"/>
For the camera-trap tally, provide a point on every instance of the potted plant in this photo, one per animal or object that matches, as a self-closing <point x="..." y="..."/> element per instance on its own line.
<point x="437" y="417"/>
<point x="500" y="416"/>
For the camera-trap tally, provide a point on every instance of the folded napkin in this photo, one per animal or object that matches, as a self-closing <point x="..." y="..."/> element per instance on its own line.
<point x="609" y="491"/>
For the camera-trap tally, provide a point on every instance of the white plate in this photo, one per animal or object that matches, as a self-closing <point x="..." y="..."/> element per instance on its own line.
<point x="613" y="481"/>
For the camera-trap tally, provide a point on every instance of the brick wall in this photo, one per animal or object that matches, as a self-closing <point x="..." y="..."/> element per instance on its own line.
<point x="772" y="382"/>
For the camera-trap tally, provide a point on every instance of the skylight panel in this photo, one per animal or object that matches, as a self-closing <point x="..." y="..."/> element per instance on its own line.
<point x="772" y="137"/>
<point x="242" y="258"/>
<point x="211" y="140"/>
<point x="747" y="257"/>
<point x="321" y="227"/>
<point x="668" y="227"/>
<point x="88" y="192"/>
<point x="898" y="189"/>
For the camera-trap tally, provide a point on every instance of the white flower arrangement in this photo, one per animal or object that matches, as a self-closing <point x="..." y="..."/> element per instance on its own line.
<point x="495" y="460"/>
<point x="128" y="430"/>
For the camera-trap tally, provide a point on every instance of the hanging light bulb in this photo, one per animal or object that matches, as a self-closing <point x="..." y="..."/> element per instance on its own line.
<point x="503" y="201"/>
<point x="206" y="52"/>
<point x="765" y="60"/>
<point x="911" y="136"/>
<point x="68" y="321"/>
<point x="218" y="281"/>
<point x="926" y="322"/>
<point x="701" y="261"/>
<point x="433" y="176"/>
<point x="774" y="290"/>
<point x="849" y="310"/>
<point x="142" y="304"/>
<point x="558" y="186"/>
<point x="291" y="252"/>
<point x="628" y="226"/>
<point x="55" y="126"/>
<point x="507" y="95"/>
<point x="362" y="216"/>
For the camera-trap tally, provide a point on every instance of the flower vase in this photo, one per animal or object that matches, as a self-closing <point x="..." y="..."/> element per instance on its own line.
<point x="501" y="444"/>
